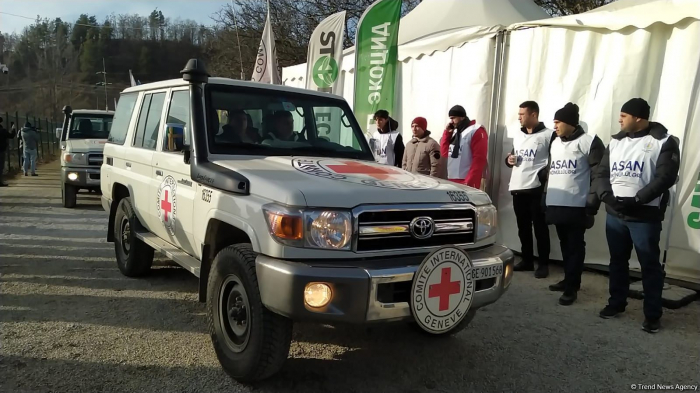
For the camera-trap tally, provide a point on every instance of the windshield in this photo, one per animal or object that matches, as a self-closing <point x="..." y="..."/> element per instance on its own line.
<point x="90" y="126"/>
<point x="272" y="123"/>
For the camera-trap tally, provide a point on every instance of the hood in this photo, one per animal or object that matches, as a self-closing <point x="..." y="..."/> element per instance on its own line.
<point x="342" y="183"/>
<point x="85" y="145"/>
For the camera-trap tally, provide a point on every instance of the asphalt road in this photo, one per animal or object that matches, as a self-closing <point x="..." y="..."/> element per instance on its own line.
<point x="69" y="322"/>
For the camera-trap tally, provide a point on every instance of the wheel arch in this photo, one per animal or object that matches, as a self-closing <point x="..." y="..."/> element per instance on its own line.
<point x="119" y="192"/>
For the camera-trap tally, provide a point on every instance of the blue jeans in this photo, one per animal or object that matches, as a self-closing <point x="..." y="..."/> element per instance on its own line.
<point x="29" y="159"/>
<point x="644" y="236"/>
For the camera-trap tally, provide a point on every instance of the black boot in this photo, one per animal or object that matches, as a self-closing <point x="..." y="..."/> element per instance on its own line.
<point x="568" y="298"/>
<point x="542" y="270"/>
<point x="524" y="266"/>
<point x="558" y="287"/>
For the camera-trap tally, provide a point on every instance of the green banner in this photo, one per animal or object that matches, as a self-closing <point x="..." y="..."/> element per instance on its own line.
<point x="376" y="62"/>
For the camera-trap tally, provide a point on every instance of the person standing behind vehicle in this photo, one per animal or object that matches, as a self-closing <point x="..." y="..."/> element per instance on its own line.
<point x="640" y="164"/>
<point x="571" y="201"/>
<point x="465" y="144"/>
<point x="422" y="153"/>
<point x="5" y="137"/>
<point x="30" y="141"/>
<point x="390" y="147"/>
<point x="529" y="160"/>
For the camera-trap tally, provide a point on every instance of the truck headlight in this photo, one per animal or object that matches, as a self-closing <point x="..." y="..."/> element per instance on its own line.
<point x="487" y="221"/>
<point x="328" y="229"/>
<point x="75" y="158"/>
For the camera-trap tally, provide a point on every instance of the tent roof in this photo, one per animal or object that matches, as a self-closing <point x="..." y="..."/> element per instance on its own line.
<point x="625" y="13"/>
<point x="438" y="16"/>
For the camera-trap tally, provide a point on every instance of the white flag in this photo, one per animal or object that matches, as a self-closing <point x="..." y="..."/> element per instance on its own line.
<point x="266" y="67"/>
<point x="133" y="81"/>
<point x="326" y="55"/>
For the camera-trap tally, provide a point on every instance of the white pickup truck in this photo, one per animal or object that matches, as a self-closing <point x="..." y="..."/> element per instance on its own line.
<point x="271" y="197"/>
<point x="82" y="139"/>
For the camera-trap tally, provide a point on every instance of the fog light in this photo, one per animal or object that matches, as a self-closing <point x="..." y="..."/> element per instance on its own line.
<point x="72" y="176"/>
<point x="317" y="294"/>
<point x="508" y="275"/>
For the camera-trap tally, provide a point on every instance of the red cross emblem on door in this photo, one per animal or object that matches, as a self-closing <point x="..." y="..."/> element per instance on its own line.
<point x="444" y="289"/>
<point x="166" y="205"/>
<point x="358" y="168"/>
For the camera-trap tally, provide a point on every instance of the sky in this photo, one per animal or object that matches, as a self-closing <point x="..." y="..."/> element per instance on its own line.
<point x="69" y="10"/>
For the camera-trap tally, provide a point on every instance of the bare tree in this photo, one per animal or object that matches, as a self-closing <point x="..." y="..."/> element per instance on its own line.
<point x="570" y="7"/>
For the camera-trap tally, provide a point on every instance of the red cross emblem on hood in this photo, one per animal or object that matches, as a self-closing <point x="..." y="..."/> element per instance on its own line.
<point x="358" y="168"/>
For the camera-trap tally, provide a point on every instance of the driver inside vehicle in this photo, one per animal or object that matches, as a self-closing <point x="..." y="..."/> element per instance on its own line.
<point x="283" y="129"/>
<point x="237" y="129"/>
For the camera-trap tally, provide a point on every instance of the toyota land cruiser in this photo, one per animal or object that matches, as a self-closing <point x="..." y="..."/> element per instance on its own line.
<point x="271" y="197"/>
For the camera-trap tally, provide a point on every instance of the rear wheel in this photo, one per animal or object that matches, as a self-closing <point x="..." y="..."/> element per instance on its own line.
<point x="250" y="341"/>
<point x="134" y="257"/>
<point x="69" y="195"/>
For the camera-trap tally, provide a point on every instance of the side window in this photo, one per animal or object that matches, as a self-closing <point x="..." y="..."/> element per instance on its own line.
<point x="177" y="127"/>
<point x="122" y="117"/>
<point x="149" y="121"/>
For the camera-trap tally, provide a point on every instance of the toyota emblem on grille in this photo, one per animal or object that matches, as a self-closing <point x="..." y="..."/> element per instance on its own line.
<point x="422" y="227"/>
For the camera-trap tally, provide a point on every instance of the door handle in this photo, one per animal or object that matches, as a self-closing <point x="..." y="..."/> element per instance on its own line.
<point x="128" y="165"/>
<point x="159" y="173"/>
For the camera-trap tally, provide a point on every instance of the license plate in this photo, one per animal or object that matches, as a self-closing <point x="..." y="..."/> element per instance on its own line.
<point x="486" y="272"/>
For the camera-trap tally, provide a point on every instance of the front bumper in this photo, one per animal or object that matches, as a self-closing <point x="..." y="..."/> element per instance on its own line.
<point x="366" y="294"/>
<point x="86" y="177"/>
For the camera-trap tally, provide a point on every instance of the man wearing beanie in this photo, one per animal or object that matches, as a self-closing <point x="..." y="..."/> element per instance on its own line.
<point x="422" y="153"/>
<point x="640" y="164"/>
<point x="389" y="147"/>
<point x="571" y="201"/>
<point x="465" y="144"/>
<point x="528" y="160"/>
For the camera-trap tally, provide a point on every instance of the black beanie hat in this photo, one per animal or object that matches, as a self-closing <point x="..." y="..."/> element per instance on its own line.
<point x="636" y="107"/>
<point x="568" y="114"/>
<point x="458" y="111"/>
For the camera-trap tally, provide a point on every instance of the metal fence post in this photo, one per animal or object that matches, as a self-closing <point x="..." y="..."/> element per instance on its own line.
<point x="18" y="127"/>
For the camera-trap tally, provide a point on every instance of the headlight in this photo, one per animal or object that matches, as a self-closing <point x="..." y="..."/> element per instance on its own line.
<point x="486" y="218"/>
<point x="328" y="229"/>
<point x="75" y="158"/>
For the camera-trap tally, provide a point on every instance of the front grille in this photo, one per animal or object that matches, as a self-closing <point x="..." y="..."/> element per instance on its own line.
<point x="390" y="229"/>
<point x="95" y="159"/>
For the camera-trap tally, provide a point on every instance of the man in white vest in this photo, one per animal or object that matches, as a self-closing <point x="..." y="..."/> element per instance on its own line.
<point x="639" y="167"/>
<point x="571" y="201"/>
<point x="529" y="163"/>
<point x="389" y="146"/>
<point x="465" y="144"/>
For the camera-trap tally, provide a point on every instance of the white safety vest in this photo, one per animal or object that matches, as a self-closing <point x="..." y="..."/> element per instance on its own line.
<point x="531" y="151"/>
<point x="457" y="168"/>
<point x="569" y="173"/>
<point x="633" y="164"/>
<point x="385" y="148"/>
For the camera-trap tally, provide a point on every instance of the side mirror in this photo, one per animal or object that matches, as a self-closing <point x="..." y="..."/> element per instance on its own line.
<point x="58" y="133"/>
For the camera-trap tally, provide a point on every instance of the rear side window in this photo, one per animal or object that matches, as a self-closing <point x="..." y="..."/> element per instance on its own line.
<point x="149" y="121"/>
<point x="122" y="117"/>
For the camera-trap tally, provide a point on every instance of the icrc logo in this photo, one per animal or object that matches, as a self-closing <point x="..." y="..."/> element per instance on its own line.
<point x="325" y="72"/>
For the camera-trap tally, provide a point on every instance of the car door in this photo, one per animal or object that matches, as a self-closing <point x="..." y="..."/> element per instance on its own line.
<point x="140" y="157"/>
<point x="175" y="191"/>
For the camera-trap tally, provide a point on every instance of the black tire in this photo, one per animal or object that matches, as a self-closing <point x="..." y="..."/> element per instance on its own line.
<point x="69" y="195"/>
<point x="462" y="325"/>
<point x="134" y="257"/>
<point x="254" y="344"/>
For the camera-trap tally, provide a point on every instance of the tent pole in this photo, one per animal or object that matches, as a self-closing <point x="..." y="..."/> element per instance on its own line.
<point x="497" y="85"/>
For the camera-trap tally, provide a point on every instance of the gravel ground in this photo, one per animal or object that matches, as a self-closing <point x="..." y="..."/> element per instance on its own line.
<point x="69" y="322"/>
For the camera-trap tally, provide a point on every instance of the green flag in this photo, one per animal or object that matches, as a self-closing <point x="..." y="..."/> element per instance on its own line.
<point x="376" y="55"/>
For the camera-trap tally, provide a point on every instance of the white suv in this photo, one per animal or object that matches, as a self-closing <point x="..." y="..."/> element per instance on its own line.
<point x="271" y="197"/>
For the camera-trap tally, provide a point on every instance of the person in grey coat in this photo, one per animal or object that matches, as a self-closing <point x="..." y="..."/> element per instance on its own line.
<point x="30" y="141"/>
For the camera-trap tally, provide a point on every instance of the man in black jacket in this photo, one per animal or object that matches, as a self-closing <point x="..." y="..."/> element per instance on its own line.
<point x="571" y="200"/>
<point x="529" y="163"/>
<point x="5" y="136"/>
<point x="640" y="164"/>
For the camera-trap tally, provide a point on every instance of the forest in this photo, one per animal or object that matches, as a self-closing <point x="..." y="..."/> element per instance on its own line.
<point x="55" y="63"/>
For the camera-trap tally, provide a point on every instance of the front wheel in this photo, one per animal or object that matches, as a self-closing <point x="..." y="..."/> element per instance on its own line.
<point x="69" y="195"/>
<point x="250" y="341"/>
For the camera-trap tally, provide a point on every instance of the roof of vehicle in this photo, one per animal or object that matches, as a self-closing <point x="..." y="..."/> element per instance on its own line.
<point x="231" y="82"/>
<point x="91" y="112"/>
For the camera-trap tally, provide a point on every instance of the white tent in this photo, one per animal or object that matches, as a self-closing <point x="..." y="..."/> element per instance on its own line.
<point x="447" y="50"/>
<point x="599" y="60"/>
